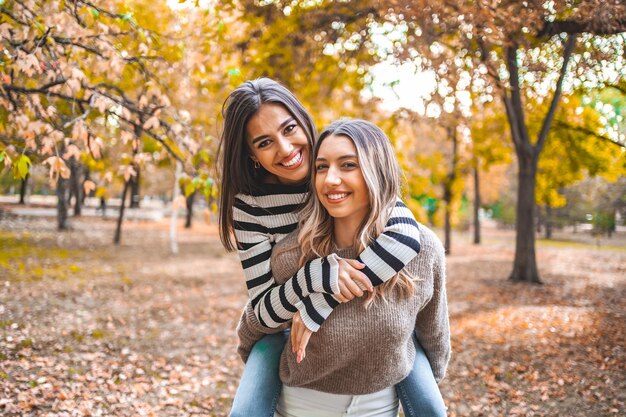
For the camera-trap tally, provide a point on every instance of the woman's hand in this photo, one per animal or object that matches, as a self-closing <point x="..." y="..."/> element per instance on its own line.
<point x="352" y="282"/>
<point x="300" y="336"/>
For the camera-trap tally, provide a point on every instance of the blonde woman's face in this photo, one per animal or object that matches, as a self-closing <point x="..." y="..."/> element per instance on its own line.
<point x="279" y="144"/>
<point x="339" y="181"/>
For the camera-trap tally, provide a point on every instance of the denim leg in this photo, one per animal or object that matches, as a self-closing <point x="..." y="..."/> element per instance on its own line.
<point x="260" y="384"/>
<point x="418" y="392"/>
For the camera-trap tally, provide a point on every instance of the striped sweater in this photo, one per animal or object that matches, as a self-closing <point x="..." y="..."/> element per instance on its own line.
<point x="263" y="218"/>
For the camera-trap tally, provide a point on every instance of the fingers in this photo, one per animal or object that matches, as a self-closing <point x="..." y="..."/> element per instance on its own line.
<point x="346" y="289"/>
<point x="297" y="328"/>
<point x="353" y="288"/>
<point x="349" y="272"/>
<point x="340" y="298"/>
<point x="300" y="336"/>
<point x="362" y="281"/>
<point x="354" y="263"/>
<point x="304" y="341"/>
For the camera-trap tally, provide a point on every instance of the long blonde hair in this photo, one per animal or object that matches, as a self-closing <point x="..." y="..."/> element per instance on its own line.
<point x="381" y="172"/>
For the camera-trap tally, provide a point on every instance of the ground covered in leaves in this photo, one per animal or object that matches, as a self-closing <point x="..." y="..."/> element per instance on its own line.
<point x="89" y="329"/>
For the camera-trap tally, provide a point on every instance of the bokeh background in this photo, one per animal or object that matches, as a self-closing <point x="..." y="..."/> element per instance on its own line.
<point x="116" y="297"/>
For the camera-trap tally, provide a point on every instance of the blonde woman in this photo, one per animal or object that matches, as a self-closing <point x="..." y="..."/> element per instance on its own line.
<point x="368" y="345"/>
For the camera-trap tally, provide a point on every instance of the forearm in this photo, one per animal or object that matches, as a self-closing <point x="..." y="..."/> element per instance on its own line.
<point x="315" y="309"/>
<point x="394" y="248"/>
<point x="277" y="303"/>
<point x="250" y="331"/>
<point x="274" y="302"/>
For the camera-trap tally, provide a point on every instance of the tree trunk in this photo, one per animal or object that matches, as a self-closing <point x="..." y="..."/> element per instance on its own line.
<point x="447" y="193"/>
<point x="120" y="217"/>
<point x="86" y="178"/>
<point x="23" y="187"/>
<point x="190" y="199"/>
<point x="134" y="188"/>
<point x="174" y="215"/>
<point x="525" y="263"/>
<point x="539" y="219"/>
<point x="61" y="192"/>
<point x="476" y="206"/>
<point x="548" y="224"/>
<point x="75" y="186"/>
<point x="103" y="206"/>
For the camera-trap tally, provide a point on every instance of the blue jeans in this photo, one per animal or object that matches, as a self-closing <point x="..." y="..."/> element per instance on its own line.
<point x="418" y="392"/>
<point x="260" y="384"/>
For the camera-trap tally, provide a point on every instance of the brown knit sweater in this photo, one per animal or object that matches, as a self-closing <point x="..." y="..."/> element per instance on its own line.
<point x="358" y="350"/>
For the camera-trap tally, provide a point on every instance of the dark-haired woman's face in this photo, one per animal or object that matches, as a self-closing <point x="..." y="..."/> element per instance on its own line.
<point x="279" y="144"/>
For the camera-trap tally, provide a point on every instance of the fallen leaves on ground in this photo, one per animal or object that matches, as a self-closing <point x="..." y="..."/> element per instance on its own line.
<point x="88" y="329"/>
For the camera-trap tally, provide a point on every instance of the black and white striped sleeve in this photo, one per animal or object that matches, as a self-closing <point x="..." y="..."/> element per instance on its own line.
<point x="256" y="230"/>
<point x="394" y="248"/>
<point x="383" y="259"/>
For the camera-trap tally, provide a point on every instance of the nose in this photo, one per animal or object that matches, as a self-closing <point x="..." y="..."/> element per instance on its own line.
<point x="285" y="147"/>
<point x="333" y="177"/>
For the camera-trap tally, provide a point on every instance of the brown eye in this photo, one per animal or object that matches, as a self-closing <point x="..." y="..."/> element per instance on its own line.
<point x="263" y="143"/>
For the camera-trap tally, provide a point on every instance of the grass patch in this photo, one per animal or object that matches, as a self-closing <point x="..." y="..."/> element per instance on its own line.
<point x="569" y="244"/>
<point x="76" y="335"/>
<point x="23" y="258"/>
<point x="76" y="371"/>
<point x="98" y="334"/>
<point x="27" y="343"/>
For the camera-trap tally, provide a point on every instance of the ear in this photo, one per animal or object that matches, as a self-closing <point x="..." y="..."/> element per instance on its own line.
<point x="254" y="158"/>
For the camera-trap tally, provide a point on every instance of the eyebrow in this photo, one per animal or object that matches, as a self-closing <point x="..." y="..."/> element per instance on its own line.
<point x="282" y="126"/>
<point x="349" y="156"/>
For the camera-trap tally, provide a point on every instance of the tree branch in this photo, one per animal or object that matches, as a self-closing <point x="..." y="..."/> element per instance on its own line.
<point x="581" y="129"/>
<point x="545" y="128"/>
<point x="137" y="127"/>
<point x="516" y="107"/>
<point x="41" y="90"/>
<point x="572" y="27"/>
<point x="513" y="123"/>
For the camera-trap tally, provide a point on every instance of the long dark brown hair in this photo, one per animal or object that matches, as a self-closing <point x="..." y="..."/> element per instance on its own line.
<point x="238" y="174"/>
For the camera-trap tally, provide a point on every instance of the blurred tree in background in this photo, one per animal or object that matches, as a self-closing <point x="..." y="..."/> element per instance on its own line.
<point x="111" y="96"/>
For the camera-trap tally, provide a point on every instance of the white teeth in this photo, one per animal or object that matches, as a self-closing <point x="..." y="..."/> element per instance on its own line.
<point x="293" y="161"/>
<point x="337" y="196"/>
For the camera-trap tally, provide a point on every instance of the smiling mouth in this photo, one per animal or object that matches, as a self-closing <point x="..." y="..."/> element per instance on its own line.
<point x="294" y="161"/>
<point x="337" y="197"/>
